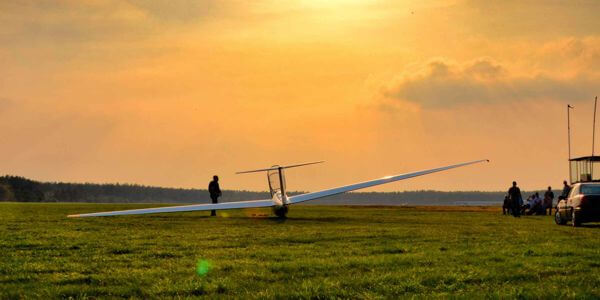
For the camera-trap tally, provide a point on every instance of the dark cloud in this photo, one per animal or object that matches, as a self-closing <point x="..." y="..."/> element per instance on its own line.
<point x="441" y="84"/>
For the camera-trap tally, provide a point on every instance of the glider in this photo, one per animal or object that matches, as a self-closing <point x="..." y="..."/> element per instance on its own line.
<point x="279" y="199"/>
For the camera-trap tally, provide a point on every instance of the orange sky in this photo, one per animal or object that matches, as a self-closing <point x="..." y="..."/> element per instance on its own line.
<point x="169" y="93"/>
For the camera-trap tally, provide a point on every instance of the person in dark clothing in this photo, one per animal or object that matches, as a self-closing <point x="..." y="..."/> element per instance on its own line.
<point x="515" y="198"/>
<point x="565" y="192"/>
<point x="215" y="192"/>
<point x="548" y="199"/>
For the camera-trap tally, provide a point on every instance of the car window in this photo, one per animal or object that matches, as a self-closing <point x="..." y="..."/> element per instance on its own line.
<point x="591" y="189"/>
<point x="574" y="191"/>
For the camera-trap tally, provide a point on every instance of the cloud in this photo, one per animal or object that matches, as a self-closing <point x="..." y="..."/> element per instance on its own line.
<point x="443" y="84"/>
<point x="31" y="23"/>
<point x="537" y="20"/>
<point x="580" y="54"/>
<point x="182" y="11"/>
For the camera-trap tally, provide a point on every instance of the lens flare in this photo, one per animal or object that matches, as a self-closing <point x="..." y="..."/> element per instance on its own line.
<point x="203" y="267"/>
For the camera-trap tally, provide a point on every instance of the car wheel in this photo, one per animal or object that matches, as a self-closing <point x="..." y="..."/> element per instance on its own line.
<point x="574" y="219"/>
<point x="558" y="219"/>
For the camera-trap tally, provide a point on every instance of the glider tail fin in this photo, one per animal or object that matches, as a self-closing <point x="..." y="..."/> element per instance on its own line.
<point x="280" y="167"/>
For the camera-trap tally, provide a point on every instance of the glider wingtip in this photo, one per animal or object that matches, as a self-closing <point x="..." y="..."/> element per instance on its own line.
<point x="73" y="216"/>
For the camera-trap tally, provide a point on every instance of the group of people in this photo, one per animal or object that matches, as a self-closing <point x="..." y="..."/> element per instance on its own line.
<point x="535" y="205"/>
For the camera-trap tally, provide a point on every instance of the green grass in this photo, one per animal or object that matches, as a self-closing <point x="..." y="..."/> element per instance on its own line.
<point x="318" y="252"/>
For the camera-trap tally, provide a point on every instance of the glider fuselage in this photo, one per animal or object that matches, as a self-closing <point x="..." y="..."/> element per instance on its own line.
<point x="276" y="179"/>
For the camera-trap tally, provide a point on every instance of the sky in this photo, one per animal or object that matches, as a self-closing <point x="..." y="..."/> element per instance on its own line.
<point x="169" y="93"/>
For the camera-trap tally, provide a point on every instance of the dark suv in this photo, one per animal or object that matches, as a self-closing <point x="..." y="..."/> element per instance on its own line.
<point x="582" y="205"/>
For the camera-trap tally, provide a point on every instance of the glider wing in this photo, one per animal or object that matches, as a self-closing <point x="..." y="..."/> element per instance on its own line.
<point x="366" y="184"/>
<point x="195" y="207"/>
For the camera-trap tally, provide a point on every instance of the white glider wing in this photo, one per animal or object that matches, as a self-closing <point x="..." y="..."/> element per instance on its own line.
<point x="219" y="206"/>
<point x="366" y="184"/>
<point x="270" y="202"/>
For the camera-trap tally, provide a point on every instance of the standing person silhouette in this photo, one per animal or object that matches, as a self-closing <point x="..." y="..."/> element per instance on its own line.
<point x="215" y="193"/>
<point x="548" y="199"/>
<point x="515" y="197"/>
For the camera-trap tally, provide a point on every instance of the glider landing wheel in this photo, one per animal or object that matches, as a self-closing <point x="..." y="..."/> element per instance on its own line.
<point x="280" y="211"/>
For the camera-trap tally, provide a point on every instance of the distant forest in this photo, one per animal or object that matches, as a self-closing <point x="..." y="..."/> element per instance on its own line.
<point x="19" y="189"/>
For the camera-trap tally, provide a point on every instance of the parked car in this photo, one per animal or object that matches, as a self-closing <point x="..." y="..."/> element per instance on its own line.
<point x="582" y="205"/>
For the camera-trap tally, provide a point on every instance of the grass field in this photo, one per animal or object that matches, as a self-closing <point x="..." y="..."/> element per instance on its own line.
<point x="318" y="252"/>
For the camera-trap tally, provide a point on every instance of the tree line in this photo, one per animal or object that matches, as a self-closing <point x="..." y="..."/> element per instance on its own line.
<point x="20" y="189"/>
